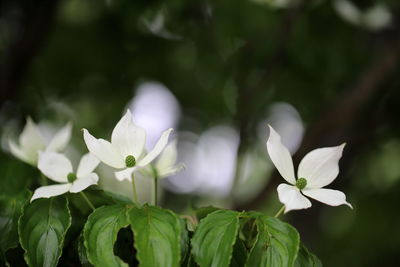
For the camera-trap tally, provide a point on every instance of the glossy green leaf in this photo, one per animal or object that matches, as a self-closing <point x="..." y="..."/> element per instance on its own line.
<point x="100" y="233"/>
<point x="42" y="229"/>
<point x="276" y="244"/>
<point x="306" y="259"/>
<point x="213" y="240"/>
<point x="158" y="235"/>
<point x="10" y="211"/>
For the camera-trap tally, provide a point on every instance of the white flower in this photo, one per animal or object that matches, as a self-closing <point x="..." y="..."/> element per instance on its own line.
<point x="375" y="18"/>
<point x="58" y="168"/>
<point x="125" y="151"/>
<point x="165" y="164"/>
<point x="317" y="169"/>
<point x="32" y="140"/>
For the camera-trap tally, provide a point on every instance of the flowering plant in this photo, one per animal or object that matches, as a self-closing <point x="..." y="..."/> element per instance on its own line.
<point x="105" y="229"/>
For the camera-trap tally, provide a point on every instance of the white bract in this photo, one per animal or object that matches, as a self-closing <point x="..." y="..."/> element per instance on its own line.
<point x="125" y="151"/>
<point x="165" y="165"/>
<point x="376" y="17"/>
<point x="58" y="168"/>
<point x="317" y="169"/>
<point x="32" y="140"/>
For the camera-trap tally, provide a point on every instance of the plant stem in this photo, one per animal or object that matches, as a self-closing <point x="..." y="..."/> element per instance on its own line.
<point x="43" y="179"/>
<point x="155" y="191"/>
<point x="280" y="212"/>
<point x="87" y="201"/>
<point x="134" y="193"/>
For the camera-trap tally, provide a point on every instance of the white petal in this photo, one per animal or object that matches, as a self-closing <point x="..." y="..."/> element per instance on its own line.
<point x="158" y="148"/>
<point x="60" y="139"/>
<point x="87" y="164"/>
<point x="104" y="151"/>
<point x="128" y="138"/>
<point x="170" y="171"/>
<point x="280" y="156"/>
<point x="125" y="174"/>
<point x="82" y="183"/>
<point x="291" y="197"/>
<point x="327" y="196"/>
<point x="50" y="191"/>
<point x="20" y="154"/>
<point x="167" y="158"/>
<point x="55" y="166"/>
<point x="320" y="166"/>
<point x="31" y="140"/>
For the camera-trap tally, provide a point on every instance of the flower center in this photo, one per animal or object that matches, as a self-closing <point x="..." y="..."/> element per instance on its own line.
<point x="130" y="161"/>
<point x="71" y="177"/>
<point x="301" y="183"/>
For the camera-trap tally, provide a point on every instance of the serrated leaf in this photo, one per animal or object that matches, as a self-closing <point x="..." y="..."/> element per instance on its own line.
<point x="276" y="245"/>
<point x="157" y="236"/>
<point x="100" y="233"/>
<point x="213" y="240"/>
<point x="42" y="229"/>
<point x="306" y="259"/>
<point x="10" y="211"/>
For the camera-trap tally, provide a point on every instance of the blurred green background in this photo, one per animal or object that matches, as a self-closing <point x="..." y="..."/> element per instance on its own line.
<point x="322" y="72"/>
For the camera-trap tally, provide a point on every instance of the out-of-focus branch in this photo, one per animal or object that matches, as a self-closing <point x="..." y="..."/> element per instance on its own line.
<point x="335" y="122"/>
<point x="32" y="29"/>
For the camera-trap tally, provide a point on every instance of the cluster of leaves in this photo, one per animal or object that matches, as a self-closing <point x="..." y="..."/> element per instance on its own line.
<point x="60" y="230"/>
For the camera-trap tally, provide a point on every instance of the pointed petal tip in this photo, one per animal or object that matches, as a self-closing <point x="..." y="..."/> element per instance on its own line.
<point x="29" y="120"/>
<point x="350" y="206"/>
<point x="35" y="196"/>
<point x="287" y="209"/>
<point x="128" y="114"/>
<point x="69" y="125"/>
<point x="270" y="130"/>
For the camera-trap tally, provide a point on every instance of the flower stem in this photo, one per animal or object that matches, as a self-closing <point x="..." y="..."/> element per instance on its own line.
<point x="134" y="193"/>
<point x="87" y="201"/>
<point x="43" y="179"/>
<point x="155" y="191"/>
<point x="280" y="211"/>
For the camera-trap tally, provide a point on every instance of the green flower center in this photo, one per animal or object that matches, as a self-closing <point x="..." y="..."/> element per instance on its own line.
<point x="301" y="183"/>
<point x="130" y="161"/>
<point x="71" y="177"/>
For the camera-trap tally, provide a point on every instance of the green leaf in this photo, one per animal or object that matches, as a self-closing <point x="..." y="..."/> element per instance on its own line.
<point x="185" y="252"/>
<point x="213" y="240"/>
<point x="276" y="244"/>
<point x="239" y="256"/>
<point x="82" y="253"/>
<point x="306" y="259"/>
<point x="158" y="235"/>
<point x="42" y="229"/>
<point x="10" y="211"/>
<point x="204" y="211"/>
<point x="100" y="233"/>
